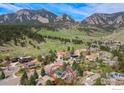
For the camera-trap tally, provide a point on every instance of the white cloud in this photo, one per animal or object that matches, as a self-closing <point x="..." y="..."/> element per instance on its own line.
<point x="10" y="7"/>
<point x="75" y="12"/>
<point x="103" y="8"/>
<point x="91" y="8"/>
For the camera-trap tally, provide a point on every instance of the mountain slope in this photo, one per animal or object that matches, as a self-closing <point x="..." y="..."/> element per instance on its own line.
<point x="118" y="35"/>
<point x="25" y="16"/>
<point x="35" y="17"/>
<point x="110" y="21"/>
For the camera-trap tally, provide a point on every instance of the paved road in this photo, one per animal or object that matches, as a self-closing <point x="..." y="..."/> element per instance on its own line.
<point x="12" y="78"/>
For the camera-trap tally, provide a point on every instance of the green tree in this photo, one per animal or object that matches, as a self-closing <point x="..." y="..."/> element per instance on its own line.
<point x="64" y="66"/>
<point x="1" y="60"/>
<point x="39" y="58"/>
<point x="82" y="56"/>
<point x="72" y="50"/>
<point x="32" y="80"/>
<point x="24" y="79"/>
<point x="42" y="72"/>
<point x="74" y="65"/>
<point x="2" y="75"/>
<point x="79" y="71"/>
<point x="48" y="82"/>
<point x="35" y="74"/>
<point x="68" y="49"/>
<point x="98" y="81"/>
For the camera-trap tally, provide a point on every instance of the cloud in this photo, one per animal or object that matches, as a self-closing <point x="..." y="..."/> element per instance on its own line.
<point x="92" y="8"/>
<point x="10" y="7"/>
<point x="104" y="8"/>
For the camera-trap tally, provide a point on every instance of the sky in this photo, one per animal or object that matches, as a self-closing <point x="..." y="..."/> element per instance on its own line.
<point x="78" y="11"/>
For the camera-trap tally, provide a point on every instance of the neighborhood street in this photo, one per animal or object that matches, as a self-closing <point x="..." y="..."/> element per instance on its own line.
<point x="11" y="79"/>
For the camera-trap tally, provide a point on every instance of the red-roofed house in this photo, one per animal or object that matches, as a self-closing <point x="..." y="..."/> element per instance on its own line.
<point x="60" y="54"/>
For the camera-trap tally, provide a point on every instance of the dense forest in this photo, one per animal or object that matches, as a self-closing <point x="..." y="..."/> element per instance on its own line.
<point x="17" y="34"/>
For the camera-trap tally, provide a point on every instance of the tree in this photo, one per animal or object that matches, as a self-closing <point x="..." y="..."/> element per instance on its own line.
<point x="52" y="55"/>
<point x="49" y="82"/>
<point x="105" y="48"/>
<point x="79" y="71"/>
<point x="82" y="56"/>
<point x="89" y="52"/>
<point x="68" y="49"/>
<point x="7" y="62"/>
<point x="35" y="75"/>
<point x="72" y="50"/>
<point x="39" y="58"/>
<point x="24" y="79"/>
<point x="2" y="75"/>
<point x="7" y="58"/>
<point x="43" y="72"/>
<point x="74" y="65"/>
<point x="32" y="80"/>
<point x="64" y="66"/>
<point x="60" y="81"/>
<point x="98" y="81"/>
<point x="1" y="60"/>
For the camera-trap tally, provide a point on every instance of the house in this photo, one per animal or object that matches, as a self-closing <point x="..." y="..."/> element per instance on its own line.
<point x="88" y="73"/>
<point x="29" y="65"/>
<point x="104" y="55"/>
<point x="60" y="54"/>
<point x="116" y="78"/>
<point x="92" y="79"/>
<point x="74" y="56"/>
<point x="15" y="59"/>
<point x="77" y="52"/>
<point x="23" y="59"/>
<point x="52" y="66"/>
<point x="110" y="62"/>
<point x="115" y="75"/>
<point x="92" y="57"/>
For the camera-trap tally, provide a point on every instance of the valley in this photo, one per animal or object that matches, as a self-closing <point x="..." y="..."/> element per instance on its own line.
<point x="38" y="47"/>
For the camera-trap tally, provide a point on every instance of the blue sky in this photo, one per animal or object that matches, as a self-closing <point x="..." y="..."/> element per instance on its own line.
<point x="78" y="11"/>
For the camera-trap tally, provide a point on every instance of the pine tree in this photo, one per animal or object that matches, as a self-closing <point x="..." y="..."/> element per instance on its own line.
<point x="24" y="79"/>
<point x="42" y="72"/>
<point x="79" y="71"/>
<point x="35" y="75"/>
<point x="32" y="80"/>
<point x="98" y="81"/>
<point x="68" y="49"/>
<point x="39" y="58"/>
<point x="2" y="75"/>
<point x="72" y="50"/>
<point x="74" y="65"/>
<point x="48" y="82"/>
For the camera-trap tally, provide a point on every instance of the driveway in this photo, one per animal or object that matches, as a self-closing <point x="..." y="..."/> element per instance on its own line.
<point x="11" y="79"/>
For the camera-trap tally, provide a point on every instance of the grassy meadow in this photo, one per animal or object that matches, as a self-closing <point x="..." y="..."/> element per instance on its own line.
<point x="11" y="50"/>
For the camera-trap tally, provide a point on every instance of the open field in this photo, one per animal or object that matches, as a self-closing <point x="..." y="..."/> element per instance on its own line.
<point x="30" y="50"/>
<point x="10" y="49"/>
<point x="72" y="34"/>
<point x="119" y="35"/>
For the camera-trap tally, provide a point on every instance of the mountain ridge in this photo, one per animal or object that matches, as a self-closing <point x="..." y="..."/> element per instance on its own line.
<point x="41" y="17"/>
<point x="34" y="17"/>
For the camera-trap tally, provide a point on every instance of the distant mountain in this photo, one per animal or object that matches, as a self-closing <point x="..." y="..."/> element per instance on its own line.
<point x="25" y="16"/>
<point x="105" y="20"/>
<point x="35" y="17"/>
<point x="64" y="18"/>
<point x="42" y="17"/>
